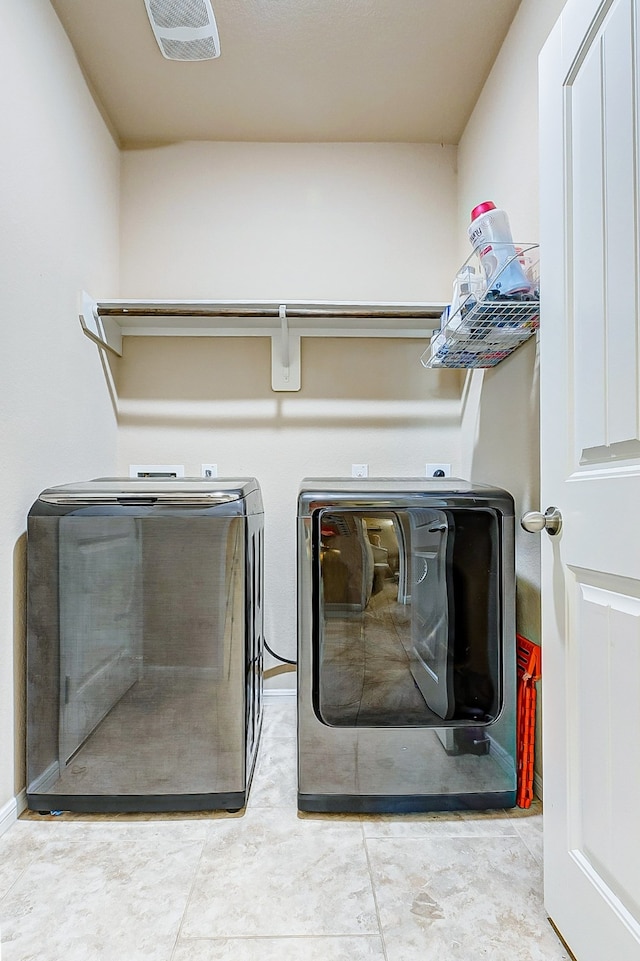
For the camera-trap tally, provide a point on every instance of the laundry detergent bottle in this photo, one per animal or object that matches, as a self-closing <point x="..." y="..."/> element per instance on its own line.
<point x="490" y="236"/>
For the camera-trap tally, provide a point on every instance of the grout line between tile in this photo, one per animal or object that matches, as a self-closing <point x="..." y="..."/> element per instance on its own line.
<point x="442" y="835"/>
<point x="15" y="881"/>
<point x="536" y="857"/>
<point x="189" y="896"/>
<point x="284" y="937"/>
<point x="373" y="892"/>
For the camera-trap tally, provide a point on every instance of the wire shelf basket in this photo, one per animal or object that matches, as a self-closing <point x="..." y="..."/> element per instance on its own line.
<point x="484" y="324"/>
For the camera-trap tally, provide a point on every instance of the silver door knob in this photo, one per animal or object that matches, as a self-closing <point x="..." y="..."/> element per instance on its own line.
<point x="550" y="521"/>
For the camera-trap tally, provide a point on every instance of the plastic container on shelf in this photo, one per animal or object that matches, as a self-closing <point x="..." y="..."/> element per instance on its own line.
<point x="490" y="236"/>
<point x="467" y="288"/>
<point x="484" y="324"/>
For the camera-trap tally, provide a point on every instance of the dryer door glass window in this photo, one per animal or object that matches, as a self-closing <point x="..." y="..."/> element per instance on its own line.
<point x="408" y="625"/>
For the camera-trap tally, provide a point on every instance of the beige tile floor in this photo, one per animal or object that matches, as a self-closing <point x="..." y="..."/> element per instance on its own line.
<point x="270" y="884"/>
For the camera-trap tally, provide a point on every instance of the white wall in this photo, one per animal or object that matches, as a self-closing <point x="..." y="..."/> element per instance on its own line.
<point x="498" y="160"/>
<point x="59" y="215"/>
<point x="306" y="221"/>
<point x="498" y="152"/>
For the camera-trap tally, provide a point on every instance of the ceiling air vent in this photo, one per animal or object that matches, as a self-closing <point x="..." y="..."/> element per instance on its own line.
<point x="184" y="29"/>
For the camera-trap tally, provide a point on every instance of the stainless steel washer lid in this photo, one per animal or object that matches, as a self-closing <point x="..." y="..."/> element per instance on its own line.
<point x="182" y="491"/>
<point x="392" y="492"/>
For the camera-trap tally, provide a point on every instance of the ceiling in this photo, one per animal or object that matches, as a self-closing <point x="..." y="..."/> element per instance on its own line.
<point x="294" y="70"/>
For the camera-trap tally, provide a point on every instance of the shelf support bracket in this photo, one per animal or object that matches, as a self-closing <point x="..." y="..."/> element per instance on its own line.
<point x="103" y="331"/>
<point x="285" y="356"/>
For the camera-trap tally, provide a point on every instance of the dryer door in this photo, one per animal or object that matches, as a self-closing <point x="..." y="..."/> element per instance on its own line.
<point x="408" y="617"/>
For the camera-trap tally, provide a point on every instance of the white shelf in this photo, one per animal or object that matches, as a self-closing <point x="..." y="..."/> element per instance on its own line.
<point x="107" y="321"/>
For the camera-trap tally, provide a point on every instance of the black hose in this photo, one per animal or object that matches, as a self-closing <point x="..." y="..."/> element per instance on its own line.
<point x="285" y="660"/>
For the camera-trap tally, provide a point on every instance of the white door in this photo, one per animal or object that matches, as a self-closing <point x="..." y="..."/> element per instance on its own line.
<point x="590" y="395"/>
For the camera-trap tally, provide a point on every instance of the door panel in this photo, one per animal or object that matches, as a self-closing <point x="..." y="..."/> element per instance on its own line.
<point x="584" y="137"/>
<point x="605" y="659"/>
<point x="590" y="455"/>
<point x="621" y="228"/>
<point x="601" y="133"/>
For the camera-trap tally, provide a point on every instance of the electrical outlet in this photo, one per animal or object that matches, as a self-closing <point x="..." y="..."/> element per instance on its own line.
<point x="433" y="470"/>
<point x="359" y="470"/>
<point x="209" y="470"/>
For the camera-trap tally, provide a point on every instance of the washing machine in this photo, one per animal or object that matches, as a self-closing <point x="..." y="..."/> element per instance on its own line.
<point x="144" y="644"/>
<point x="406" y="645"/>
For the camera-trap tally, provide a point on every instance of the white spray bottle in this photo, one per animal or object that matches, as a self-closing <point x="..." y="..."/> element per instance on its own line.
<point x="490" y="236"/>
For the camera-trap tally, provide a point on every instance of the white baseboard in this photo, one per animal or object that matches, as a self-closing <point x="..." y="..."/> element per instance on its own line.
<point x="8" y="814"/>
<point x="10" y="811"/>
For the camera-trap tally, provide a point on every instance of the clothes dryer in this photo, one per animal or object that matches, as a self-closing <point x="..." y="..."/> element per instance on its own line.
<point x="406" y="645"/>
